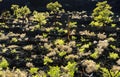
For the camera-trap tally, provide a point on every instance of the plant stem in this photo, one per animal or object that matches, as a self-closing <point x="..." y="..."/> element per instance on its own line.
<point x="68" y="35"/>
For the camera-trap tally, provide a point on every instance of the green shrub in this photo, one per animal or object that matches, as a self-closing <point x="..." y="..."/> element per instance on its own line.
<point x="20" y="12"/>
<point x="54" y="71"/>
<point x="40" y="18"/>
<point x="14" y="40"/>
<point x="95" y="55"/>
<point x="62" y="53"/>
<point x="84" y="46"/>
<point x="33" y="70"/>
<point x="71" y="68"/>
<point x="113" y="47"/>
<point x="54" y="6"/>
<point x="44" y="35"/>
<point x="109" y="73"/>
<point x="4" y="63"/>
<point x="72" y="24"/>
<point x="13" y="51"/>
<point x="113" y="55"/>
<point x="102" y="14"/>
<point x="47" y="60"/>
<point x="4" y="50"/>
<point x="59" y="42"/>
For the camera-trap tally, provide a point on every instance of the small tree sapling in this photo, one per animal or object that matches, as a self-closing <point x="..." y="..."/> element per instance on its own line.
<point x="102" y="15"/>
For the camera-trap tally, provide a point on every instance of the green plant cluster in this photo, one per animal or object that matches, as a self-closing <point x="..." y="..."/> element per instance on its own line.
<point x="54" y="7"/>
<point x="20" y="11"/>
<point x="102" y="14"/>
<point x="68" y="70"/>
<point x="40" y="17"/>
<point x="4" y="63"/>
<point x="109" y="73"/>
<point x="50" y="46"/>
